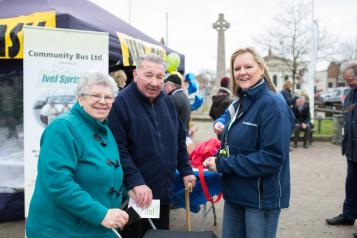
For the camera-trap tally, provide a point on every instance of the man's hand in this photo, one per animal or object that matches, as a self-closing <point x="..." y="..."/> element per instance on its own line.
<point x="210" y="164"/>
<point x="142" y="195"/>
<point x="218" y="128"/>
<point x="303" y="126"/>
<point x="189" y="179"/>
<point x="115" y="218"/>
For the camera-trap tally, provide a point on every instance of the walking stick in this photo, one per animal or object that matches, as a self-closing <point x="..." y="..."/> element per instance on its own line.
<point x="188" y="190"/>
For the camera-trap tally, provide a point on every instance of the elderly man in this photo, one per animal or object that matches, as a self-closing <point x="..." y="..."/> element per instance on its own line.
<point x="151" y="141"/>
<point x="349" y="148"/>
<point x="301" y="112"/>
<point x="173" y="88"/>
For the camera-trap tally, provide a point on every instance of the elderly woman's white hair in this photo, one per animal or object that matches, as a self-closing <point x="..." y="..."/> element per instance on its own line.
<point x="96" y="78"/>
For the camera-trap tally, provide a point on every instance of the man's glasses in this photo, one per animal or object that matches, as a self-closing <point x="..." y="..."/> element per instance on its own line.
<point x="98" y="97"/>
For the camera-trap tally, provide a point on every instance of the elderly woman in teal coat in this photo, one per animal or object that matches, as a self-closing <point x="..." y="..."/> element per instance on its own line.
<point x="79" y="183"/>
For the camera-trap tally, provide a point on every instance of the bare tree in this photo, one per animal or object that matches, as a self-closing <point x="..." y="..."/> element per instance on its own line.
<point x="289" y="38"/>
<point x="349" y="50"/>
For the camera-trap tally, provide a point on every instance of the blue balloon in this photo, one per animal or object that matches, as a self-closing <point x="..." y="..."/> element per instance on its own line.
<point x="190" y="77"/>
<point x="193" y="85"/>
<point x="197" y="103"/>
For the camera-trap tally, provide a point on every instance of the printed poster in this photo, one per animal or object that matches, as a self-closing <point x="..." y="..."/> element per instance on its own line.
<point x="54" y="61"/>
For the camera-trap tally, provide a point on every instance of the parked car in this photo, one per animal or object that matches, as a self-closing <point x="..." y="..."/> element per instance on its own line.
<point x="323" y="94"/>
<point x="334" y="95"/>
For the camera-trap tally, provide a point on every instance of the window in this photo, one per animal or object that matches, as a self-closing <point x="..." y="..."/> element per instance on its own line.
<point x="286" y="77"/>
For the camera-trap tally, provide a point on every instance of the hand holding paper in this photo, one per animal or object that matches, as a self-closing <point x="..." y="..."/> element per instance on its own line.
<point x="153" y="211"/>
<point x="142" y="195"/>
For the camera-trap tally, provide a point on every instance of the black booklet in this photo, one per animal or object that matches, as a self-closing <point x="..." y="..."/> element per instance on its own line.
<point x="133" y="216"/>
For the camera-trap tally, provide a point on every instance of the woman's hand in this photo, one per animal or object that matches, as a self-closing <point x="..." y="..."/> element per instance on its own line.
<point x="115" y="218"/>
<point x="218" y="128"/>
<point x="210" y="164"/>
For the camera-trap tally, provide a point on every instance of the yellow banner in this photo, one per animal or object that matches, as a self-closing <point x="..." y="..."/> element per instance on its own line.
<point x="11" y="40"/>
<point x="133" y="48"/>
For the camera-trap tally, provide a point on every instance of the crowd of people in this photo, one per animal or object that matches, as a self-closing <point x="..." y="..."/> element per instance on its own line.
<point x="113" y="145"/>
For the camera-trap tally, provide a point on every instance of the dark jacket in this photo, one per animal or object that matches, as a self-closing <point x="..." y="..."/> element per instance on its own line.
<point x="302" y="116"/>
<point x="151" y="141"/>
<point x="256" y="172"/>
<point x="349" y="141"/>
<point x="78" y="168"/>
<point x="290" y="100"/>
<point x="183" y="106"/>
<point x="219" y="104"/>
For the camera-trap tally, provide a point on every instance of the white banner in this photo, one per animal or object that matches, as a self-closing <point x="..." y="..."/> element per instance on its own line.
<point x="54" y="60"/>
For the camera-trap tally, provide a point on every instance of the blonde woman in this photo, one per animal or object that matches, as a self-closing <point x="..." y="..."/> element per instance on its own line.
<point x="254" y="158"/>
<point x="120" y="78"/>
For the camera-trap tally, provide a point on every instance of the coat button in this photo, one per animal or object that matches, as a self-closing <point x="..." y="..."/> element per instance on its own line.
<point x="103" y="143"/>
<point x="96" y="137"/>
<point x="110" y="163"/>
<point x="111" y="191"/>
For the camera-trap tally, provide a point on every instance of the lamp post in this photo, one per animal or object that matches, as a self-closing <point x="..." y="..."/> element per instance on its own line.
<point x="130" y="12"/>
<point x="313" y="59"/>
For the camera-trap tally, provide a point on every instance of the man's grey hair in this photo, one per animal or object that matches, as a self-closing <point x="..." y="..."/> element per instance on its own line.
<point x="151" y="58"/>
<point x="88" y="80"/>
<point x="352" y="64"/>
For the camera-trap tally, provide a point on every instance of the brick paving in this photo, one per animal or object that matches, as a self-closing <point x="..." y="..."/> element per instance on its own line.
<point x="317" y="177"/>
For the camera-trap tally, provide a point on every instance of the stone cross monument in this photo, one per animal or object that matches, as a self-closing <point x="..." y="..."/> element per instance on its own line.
<point x="221" y="25"/>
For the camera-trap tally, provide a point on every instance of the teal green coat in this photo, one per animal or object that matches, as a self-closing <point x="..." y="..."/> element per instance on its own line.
<point x="79" y="178"/>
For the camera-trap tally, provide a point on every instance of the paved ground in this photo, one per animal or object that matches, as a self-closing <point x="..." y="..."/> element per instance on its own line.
<point x="317" y="176"/>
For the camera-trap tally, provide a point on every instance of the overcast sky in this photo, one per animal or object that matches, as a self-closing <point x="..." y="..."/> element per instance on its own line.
<point x="190" y="23"/>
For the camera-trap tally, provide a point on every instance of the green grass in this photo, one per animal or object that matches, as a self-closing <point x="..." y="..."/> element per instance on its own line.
<point x="326" y="128"/>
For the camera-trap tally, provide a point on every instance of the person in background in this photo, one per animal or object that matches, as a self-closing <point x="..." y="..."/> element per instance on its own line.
<point x="65" y="107"/>
<point x="349" y="145"/>
<point x="287" y="93"/>
<point x="120" y="78"/>
<point x="151" y="141"/>
<point x="254" y="157"/>
<point x="173" y="88"/>
<point x="302" y="115"/>
<point x="222" y="100"/>
<point x="79" y="182"/>
<point x="49" y="112"/>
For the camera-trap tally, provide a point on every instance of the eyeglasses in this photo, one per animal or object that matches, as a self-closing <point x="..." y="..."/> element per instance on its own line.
<point x="98" y="97"/>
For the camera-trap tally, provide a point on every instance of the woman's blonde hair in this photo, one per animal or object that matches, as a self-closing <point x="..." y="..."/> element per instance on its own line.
<point x="288" y="84"/>
<point x="260" y="61"/>
<point x="120" y="78"/>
